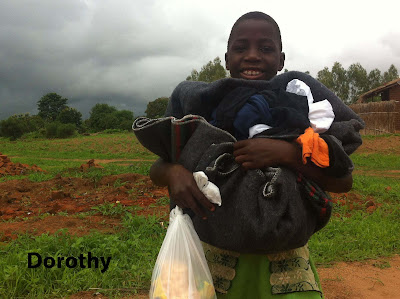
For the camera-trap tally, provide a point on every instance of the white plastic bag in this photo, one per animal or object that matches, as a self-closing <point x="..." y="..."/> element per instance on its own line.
<point x="181" y="270"/>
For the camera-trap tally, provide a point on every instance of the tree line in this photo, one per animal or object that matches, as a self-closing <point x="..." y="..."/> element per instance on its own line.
<point x="350" y="83"/>
<point x="57" y="120"/>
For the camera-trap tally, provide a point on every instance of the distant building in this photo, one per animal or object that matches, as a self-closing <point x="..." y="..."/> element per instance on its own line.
<point x="388" y="92"/>
<point x="382" y="115"/>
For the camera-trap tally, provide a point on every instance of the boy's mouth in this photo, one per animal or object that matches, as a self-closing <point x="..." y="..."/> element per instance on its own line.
<point x="251" y="74"/>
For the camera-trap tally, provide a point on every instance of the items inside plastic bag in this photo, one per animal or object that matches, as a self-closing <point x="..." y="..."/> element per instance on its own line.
<point x="181" y="270"/>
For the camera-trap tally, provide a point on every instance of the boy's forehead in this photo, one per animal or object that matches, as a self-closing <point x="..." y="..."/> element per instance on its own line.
<point x="250" y="29"/>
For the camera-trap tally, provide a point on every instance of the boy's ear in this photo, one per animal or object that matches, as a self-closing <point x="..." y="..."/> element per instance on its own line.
<point x="281" y="61"/>
<point x="226" y="61"/>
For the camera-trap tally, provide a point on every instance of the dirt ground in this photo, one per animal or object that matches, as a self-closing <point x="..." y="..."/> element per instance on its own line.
<point x="32" y="207"/>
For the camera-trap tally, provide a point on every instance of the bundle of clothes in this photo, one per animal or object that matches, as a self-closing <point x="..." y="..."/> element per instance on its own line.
<point x="264" y="210"/>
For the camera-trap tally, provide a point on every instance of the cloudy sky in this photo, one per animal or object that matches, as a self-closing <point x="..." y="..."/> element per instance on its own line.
<point x="129" y="52"/>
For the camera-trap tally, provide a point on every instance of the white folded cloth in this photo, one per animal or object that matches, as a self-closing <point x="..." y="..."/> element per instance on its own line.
<point x="320" y="113"/>
<point x="209" y="189"/>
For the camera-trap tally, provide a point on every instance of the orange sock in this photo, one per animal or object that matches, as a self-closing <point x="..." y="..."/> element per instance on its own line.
<point x="314" y="147"/>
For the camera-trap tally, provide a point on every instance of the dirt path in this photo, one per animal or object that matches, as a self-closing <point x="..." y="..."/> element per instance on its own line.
<point x="371" y="279"/>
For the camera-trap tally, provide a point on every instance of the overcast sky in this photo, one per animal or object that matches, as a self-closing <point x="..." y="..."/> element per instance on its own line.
<point x="129" y="52"/>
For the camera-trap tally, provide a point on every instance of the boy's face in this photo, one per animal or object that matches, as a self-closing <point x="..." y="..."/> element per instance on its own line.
<point x="254" y="52"/>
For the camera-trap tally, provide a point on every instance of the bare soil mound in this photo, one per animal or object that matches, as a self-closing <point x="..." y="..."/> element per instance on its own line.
<point x="9" y="168"/>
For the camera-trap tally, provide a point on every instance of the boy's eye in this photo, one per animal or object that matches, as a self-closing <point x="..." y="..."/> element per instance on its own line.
<point x="266" y="49"/>
<point x="239" y="49"/>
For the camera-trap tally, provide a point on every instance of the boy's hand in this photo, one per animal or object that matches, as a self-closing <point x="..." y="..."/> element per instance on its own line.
<point x="184" y="191"/>
<point x="264" y="152"/>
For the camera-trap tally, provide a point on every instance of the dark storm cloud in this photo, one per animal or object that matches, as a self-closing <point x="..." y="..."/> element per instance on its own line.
<point x="127" y="53"/>
<point x="89" y="52"/>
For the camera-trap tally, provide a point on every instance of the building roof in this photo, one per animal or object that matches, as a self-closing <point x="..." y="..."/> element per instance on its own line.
<point x="378" y="90"/>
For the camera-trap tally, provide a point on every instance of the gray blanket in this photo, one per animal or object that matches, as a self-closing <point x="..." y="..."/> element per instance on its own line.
<point x="263" y="211"/>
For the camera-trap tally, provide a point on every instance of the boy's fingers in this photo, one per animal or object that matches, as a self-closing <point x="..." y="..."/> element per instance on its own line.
<point x="239" y="152"/>
<point x="203" y="200"/>
<point x="241" y="159"/>
<point x="197" y="210"/>
<point x="240" y="144"/>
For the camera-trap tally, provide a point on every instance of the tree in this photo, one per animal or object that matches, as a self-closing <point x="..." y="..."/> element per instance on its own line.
<point x="99" y="117"/>
<point x="325" y="77"/>
<point x="357" y="80"/>
<point x="209" y="72"/>
<point x="70" y="116"/>
<point x="336" y="80"/>
<point x="374" y="79"/>
<point x="103" y="117"/>
<point x="157" y="108"/>
<point x="339" y="75"/>
<point x="50" y="106"/>
<point x="125" y="119"/>
<point x="390" y="75"/>
<point x="194" y="76"/>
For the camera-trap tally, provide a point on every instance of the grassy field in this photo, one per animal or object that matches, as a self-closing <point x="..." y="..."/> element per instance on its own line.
<point x="351" y="235"/>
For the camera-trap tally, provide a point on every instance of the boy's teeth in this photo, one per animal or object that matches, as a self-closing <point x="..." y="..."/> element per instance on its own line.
<point x="251" y="73"/>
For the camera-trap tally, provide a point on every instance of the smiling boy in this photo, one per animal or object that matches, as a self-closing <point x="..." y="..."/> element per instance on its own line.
<point x="254" y="53"/>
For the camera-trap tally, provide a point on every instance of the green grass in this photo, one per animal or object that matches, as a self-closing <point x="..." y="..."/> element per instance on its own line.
<point x="376" y="161"/>
<point x="358" y="237"/>
<point x="132" y="251"/>
<point x="64" y="156"/>
<point x="92" y="173"/>
<point x="100" y="146"/>
<point x="113" y="209"/>
<point x="381" y="188"/>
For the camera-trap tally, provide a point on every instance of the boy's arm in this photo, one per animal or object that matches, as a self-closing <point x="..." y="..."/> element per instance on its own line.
<point x="264" y="152"/>
<point x="182" y="187"/>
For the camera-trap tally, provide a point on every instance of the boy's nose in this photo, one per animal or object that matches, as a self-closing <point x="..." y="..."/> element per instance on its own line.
<point x="253" y="54"/>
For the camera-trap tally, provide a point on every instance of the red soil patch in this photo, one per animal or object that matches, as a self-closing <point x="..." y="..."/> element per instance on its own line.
<point x="9" y="168"/>
<point x="52" y="224"/>
<point x="26" y="200"/>
<point x="90" y="164"/>
<point x="364" y="280"/>
<point x="382" y="145"/>
<point x="355" y="201"/>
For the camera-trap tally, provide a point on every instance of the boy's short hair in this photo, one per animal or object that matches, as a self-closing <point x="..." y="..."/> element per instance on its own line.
<point x="257" y="15"/>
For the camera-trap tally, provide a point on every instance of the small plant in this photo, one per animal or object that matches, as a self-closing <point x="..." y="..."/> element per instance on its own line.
<point x="163" y="201"/>
<point x="110" y="209"/>
<point x="95" y="174"/>
<point x="119" y="183"/>
<point x="382" y="264"/>
<point x="83" y="215"/>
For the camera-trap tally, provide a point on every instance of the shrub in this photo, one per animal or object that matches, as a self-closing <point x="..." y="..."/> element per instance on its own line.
<point x="65" y="130"/>
<point x="51" y="129"/>
<point x="17" y="125"/>
<point x="59" y="130"/>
